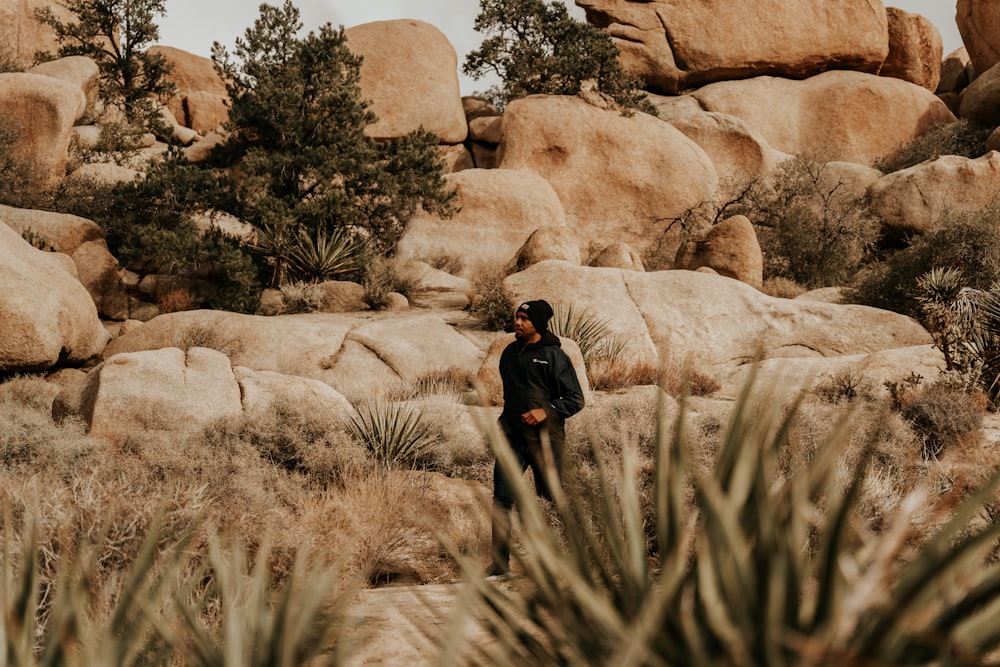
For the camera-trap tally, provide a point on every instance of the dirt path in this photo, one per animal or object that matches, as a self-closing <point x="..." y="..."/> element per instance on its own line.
<point x="404" y="625"/>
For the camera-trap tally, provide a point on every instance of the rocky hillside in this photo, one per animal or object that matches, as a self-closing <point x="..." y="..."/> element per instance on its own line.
<point x="574" y="196"/>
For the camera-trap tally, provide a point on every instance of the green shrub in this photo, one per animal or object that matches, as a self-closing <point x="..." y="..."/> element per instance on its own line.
<point x="965" y="137"/>
<point x="536" y="47"/>
<point x="969" y="241"/>
<point x="751" y="558"/>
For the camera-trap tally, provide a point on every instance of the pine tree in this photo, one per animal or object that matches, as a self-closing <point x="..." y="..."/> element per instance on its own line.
<point x="306" y="169"/>
<point x="536" y="47"/>
<point x="115" y="34"/>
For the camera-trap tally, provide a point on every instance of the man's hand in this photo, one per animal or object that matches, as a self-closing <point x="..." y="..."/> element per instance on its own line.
<point x="534" y="417"/>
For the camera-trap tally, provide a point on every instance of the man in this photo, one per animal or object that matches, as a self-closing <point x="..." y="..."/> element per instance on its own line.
<point x="540" y="391"/>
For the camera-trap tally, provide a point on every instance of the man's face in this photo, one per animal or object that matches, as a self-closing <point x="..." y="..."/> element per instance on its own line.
<point x="523" y="328"/>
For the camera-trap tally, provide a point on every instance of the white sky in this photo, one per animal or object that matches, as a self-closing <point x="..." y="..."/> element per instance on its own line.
<point x="192" y="25"/>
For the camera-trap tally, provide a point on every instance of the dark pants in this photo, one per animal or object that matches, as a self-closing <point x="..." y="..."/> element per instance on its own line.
<point x="529" y="451"/>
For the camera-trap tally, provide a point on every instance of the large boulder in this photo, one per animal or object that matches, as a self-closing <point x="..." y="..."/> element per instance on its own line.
<point x="678" y="44"/>
<point x="620" y="178"/>
<point x="42" y="111"/>
<point x="351" y="352"/>
<point x="956" y="69"/>
<point x="980" y="102"/>
<point x="914" y="200"/>
<point x="78" y="70"/>
<point x="489" y="386"/>
<point x="979" y="24"/>
<point x="549" y="242"/>
<point x="740" y="155"/>
<point x="22" y="36"/>
<point x="83" y="241"/>
<point x="714" y="322"/>
<point x="497" y="210"/>
<point x="46" y="315"/>
<point x="729" y="248"/>
<point x="915" y="49"/>
<point x="834" y="116"/>
<point x="180" y="391"/>
<point x="200" y="101"/>
<point x="410" y="74"/>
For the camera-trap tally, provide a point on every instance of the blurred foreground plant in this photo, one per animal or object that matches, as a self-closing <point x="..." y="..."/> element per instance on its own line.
<point x="762" y="563"/>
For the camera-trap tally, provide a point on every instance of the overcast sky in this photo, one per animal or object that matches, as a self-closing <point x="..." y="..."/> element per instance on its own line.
<point x="193" y="25"/>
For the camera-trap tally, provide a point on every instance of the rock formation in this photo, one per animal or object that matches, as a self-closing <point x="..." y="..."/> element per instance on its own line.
<point x="678" y="44"/>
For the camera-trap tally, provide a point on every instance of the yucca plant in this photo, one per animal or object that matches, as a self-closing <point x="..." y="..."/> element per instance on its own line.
<point x="762" y="564"/>
<point x="263" y="622"/>
<point x="321" y="255"/>
<point x="587" y="328"/>
<point x="395" y="434"/>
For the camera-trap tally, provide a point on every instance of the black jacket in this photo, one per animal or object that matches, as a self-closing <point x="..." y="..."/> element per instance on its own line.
<point x="539" y="376"/>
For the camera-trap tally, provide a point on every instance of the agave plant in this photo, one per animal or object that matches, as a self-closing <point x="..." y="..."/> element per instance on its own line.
<point x="588" y="329"/>
<point x="765" y="566"/>
<point x="321" y="255"/>
<point x="396" y="434"/>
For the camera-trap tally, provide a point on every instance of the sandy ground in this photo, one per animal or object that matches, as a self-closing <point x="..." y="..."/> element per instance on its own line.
<point x="405" y="625"/>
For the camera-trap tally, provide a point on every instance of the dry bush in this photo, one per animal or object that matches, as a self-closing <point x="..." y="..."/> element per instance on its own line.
<point x="678" y="378"/>
<point x="782" y="288"/>
<point x="176" y="300"/>
<point x="301" y="297"/>
<point x="846" y="384"/>
<point x="390" y="524"/>
<point x="442" y="260"/>
<point x="943" y="416"/>
<point x="491" y="303"/>
<point x="316" y="445"/>
<point x="199" y="335"/>
<point x="964" y="137"/>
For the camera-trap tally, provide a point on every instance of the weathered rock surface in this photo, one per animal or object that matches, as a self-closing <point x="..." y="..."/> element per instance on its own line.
<point x="181" y="391"/>
<point x="46" y="315"/>
<point x="915" y="49"/>
<point x="619" y="178"/>
<point x="43" y="110"/>
<point x="834" y="116"/>
<point x="729" y="248"/>
<point x="979" y="24"/>
<point x="350" y="352"/>
<point x="619" y="256"/>
<point x="981" y="100"/>
<point x="550" y="242"/>
<point x="490" y="387"/>
<point x="913" y="200"/>
<point x="497" y="209"/>
<point x="410" y="75"/>
<point x="955" y="72"/>
<point x="21" y="35"/>
<point x="200" y="100"/>
<point x="892" y="365"/>
<point x="79" y="71"/>
<point x="713" y="321"/>
<point x="739" y="154"/>
<point x="677" y="44"/>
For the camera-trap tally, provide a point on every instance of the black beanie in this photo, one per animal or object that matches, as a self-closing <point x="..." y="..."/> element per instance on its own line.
<point x="539" y="312"/>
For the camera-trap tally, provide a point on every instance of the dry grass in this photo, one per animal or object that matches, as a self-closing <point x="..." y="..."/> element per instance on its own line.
<point x="678" y="378"/>
<point x="176" y="300"/>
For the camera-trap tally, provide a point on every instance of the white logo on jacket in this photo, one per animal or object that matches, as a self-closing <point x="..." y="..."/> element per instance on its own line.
<point x="540" y="361"/>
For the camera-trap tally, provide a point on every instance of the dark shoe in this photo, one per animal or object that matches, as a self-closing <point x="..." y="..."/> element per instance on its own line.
<point x="498" y="572"/>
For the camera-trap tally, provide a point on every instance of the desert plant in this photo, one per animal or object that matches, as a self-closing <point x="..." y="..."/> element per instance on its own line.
<point x="846" y="384"/>
<point x="299" y="142"/>
<point x="115" y="34"/>
<point x="320" y="255"/>
<point x="396" y="434"/>
<point x="536" y="47"/>
<point x="943" y="415"/>
<point x="301" y="297"/>
<point x="761" y="568"/>
<point x="965" y="240"/>
<point x="964" y="137"/>
<point x="589" y="330"/>
<point x="492" y="303"/>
